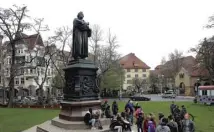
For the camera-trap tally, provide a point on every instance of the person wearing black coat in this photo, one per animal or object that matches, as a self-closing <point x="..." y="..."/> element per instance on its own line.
<point x="114" y="108"/>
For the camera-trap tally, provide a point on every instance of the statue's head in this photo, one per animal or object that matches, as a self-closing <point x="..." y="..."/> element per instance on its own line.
<point x="80" y="15"/>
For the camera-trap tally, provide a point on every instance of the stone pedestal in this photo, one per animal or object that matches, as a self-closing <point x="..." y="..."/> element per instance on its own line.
<point x="80" y="77"/>
<point x="80" y="94"/>
<point x="80" y="91"/>
<point x="75" y="111"/>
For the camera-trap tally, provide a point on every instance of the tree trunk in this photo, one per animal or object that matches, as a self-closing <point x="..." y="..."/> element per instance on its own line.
<point x="40" y="98"/>
<point x="12" y="75"/>
<point x="4" y="88"/>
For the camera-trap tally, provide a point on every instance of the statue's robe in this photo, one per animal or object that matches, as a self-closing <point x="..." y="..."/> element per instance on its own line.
<point x="81" y="32"/>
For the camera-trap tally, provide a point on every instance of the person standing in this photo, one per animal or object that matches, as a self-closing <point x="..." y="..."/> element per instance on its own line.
<point x="130" y="106"/>
<point x="187" y="125"/>
<point x="163" y="126"/>
<point x="139" y="122"/>
<point x="114" y="108"/>
<point x="173" y="126"/>
<point x="145" y="123"/>
<point x="172" y="106"/>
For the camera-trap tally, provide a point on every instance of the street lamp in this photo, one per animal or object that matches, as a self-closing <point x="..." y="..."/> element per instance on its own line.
<point x="162" y="77"/>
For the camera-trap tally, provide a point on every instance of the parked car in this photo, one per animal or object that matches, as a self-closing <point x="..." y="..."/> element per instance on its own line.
<point x="140" y="98"/>
<point x="169" y="94"/>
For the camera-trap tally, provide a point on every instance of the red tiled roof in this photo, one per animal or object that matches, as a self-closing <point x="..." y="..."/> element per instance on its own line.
<point x="199" y="71"/>
<point x="34" y="40"/>
<point x="158" y="67"/>
<point x="131" y="61"/>
<point x="30" y="40"/>
<point x="187" y="63"/>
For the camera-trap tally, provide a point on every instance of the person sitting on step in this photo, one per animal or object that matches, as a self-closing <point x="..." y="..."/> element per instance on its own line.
<point x="89" y="118"/>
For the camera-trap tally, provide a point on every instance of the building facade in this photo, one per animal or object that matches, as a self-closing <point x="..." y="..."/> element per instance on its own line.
<point x="33" y="68"/>
<point x="134" y="68"/>
<point x="187" y="79"/>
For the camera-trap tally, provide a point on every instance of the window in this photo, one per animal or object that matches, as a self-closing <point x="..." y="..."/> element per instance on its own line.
<point x="136" y="70"/>
<point x="16" y="81"/>
<point x="136" y="75"/>
<point x="26" y="71"/>
<point x="204" y="92"/>
<point x="7" y="71"/>
<point x="9" y="61"/>
<point x="128" y="70"/>
<point x="144" y="75"/>
<point x="46" y="81"/>
<point x="181" y="75"/>
<point x="31" y="71"/>
<point x="22" y="71"/>
<point x="129" y="81"/>
<point x="22" y="81"/>
<point x="144" y="70"/>
<point x="128" y="76"/>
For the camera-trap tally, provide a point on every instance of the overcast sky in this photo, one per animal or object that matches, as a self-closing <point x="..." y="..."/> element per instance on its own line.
<point x="149" y="28"/>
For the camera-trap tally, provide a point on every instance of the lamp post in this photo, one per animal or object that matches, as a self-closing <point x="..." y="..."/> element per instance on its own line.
<point x="162" y="79"/>
<point x="121" y="82"/>
<point x="196" y="86"/>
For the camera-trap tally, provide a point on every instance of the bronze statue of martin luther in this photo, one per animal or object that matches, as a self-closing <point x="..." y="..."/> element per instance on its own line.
<point x="81" y="32"/>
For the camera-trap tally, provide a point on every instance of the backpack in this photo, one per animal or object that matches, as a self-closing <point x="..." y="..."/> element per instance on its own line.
<point x="151" y="127"/>
<point x="87" y="117"/>
<point x="163" y="129"/>
<point x="113" y="124"/>
<point x="172" y="126"/>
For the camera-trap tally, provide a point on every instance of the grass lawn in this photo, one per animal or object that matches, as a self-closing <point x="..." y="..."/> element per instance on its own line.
<point x="15" y="120"/>
<point x="18" y="119"/>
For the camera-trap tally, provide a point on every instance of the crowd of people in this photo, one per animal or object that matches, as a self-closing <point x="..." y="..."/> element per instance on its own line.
<point x="133" y="114"/>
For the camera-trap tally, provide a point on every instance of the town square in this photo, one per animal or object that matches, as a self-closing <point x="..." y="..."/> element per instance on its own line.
<point x="106" y="66"/>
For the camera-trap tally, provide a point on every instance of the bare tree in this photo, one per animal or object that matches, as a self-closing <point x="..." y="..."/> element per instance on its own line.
<point x="13" y="22"/>
<point x="154" y="81"/>
<point x="163" y="60"/>
<point x="3" y="57"/>
<point x="176" y="63"/>
<point x="210" y="22"/>
<point x="96" y="38"/>
<point x="46" y="67"/>
<point x="139" y="84"/>
<point x="107" y="55"/>
<point x="205" y="56"/>
<point x="64" y="36"/>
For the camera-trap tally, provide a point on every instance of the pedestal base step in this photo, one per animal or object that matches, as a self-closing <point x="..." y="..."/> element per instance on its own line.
<point x="75" y="125"/>
<point x="48" y="127"/>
